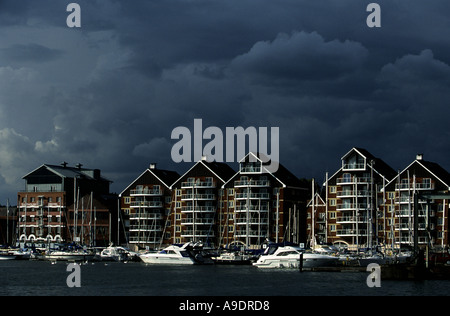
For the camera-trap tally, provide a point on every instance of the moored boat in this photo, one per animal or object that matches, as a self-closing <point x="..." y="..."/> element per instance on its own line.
<point x="289" y="257"/>
<point x="170" y="255"/>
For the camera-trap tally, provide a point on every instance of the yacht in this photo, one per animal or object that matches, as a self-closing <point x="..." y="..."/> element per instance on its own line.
<point x="119" y="254"/>
<point x="289" y="257"/>
<point x="169" y="255"/>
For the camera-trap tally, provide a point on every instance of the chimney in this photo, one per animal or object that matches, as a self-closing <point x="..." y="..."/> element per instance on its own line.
<point x="419" y="157"/>
<point x="79" y="165"/>
<point x="153" y="165"/>
<point x="64" y="164"/>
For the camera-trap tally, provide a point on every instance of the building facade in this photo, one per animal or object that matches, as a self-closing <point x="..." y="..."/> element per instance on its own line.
<point x="213" y="204"/>
<point x="44" y="205"/>
<point x="195" y="203"/>
<point x="146" y="202"/>
<point x="352" y="201"/>
<point x="430" y="183"/>
<point x="257" y="205"/>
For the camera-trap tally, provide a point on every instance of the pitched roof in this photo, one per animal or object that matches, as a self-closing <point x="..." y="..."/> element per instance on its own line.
<point x="70" y="172"/>
<point x="167" y="177"/>
<point x="283" y="175"/>
<point x="219" y="169"/>
<point x="379" y="166"/>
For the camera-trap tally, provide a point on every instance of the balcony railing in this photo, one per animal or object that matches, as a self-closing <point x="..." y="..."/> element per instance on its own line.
<point x="199" y="209"/>
<point x="354" y="166"/>
<point x="351" y="206"/>
<point x="146" y="204"/>
<point x="417" y="186"/>
<point x="198" y="221"/>
<point x="198" y="184"/>
<point x="252" y="196"/>
<point x="252" y="183"/>
<point x="198" y="197"/>
<point x="146" y="191"/>
<point x="353" y="180"/>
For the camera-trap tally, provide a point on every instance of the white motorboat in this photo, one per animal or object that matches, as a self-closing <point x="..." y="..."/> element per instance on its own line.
<point x="170" y="255"/>
<point x="62" y="255"/>
<point x="289" y="257"/>
<point x="7" y="256"/>
<point x="117" y="254"/>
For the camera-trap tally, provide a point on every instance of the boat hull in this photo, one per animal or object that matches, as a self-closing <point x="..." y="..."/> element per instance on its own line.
<point x="309" y="261"/>
<point x="68" y="257"/>
<point x="165" y="259"/>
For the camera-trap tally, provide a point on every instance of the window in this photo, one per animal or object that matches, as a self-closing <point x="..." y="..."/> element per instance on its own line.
<point x="332" y="202"/>
<point x="178" y="204"/>
<point x="230" y="191"/>
<point x="230" y="203"/>
<point x="332" y="189"/>
<point x="127" y="200"/>
<point x="333" y="228"/>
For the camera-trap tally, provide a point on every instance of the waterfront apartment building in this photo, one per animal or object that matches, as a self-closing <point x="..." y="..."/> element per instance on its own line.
<point x="56" y="204"/>
<point x="365" y="203"/>
<point x="213" y="204"/>
<point x="146" y="203"/>
<point x="430" y="183"/>
<point x="195" y="203"/>
<point x="258" y="205"/>
<point x="351" y="196"/>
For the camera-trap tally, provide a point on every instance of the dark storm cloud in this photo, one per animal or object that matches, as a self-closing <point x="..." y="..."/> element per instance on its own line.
<point x="109" y="94"/>
<point x="30" y="53"/>
<point x="302" y="56"/>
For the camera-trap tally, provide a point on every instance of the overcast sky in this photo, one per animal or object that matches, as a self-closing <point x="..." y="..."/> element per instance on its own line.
<point x="109" y="94"/>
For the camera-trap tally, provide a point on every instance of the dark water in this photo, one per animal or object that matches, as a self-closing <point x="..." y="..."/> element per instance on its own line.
<point x="100" y="279"/>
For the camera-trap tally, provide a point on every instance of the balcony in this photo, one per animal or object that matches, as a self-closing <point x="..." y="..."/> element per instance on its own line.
<point x="351" y="232"/>
<point x="354" y="166"/>
<point x="145" y="215"/>
<point x="198" y="233"/>
<point x="252" y="221"/>
<point x="251" y="233"/>
<point x="142" y="204"/>
<point x="191" y="196"/>
<point x="146" y="228"/>
<point x="198" y="184"/>
<point x="351" y="219"/>
<point x="351" y="206"/>
<point x="353" y="180"/>
<point x="352" y="193"/>
<point x="198" y="221"/>
<point x="252" y="183"/>
<point x="241" y="196"/>
<point x="251" y="208"/>
<point x="417" y="186"/>
<point x="145" y="192"/>
<point x="198" y="209"/>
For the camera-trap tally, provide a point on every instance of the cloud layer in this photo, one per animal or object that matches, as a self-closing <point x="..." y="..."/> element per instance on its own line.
<point x="109" y="94"/>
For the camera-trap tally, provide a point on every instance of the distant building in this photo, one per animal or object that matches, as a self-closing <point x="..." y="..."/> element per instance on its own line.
<point x="214" y="204"/>
<point x="146" y="202"/>
<point x="55" y="205"/>
<point x="351" y="197"/>
<point x="258" y="205"/>
<point x="425" y="179"/>
<point x="195" y="203"/>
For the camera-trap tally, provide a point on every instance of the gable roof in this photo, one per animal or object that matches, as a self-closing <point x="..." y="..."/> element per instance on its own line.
<point x="219" y="169"/>
<point x="166" y="177"/>
<point x="433" y="168"/>
<point x="379" y="166"/>
<point x="70" y="172"/>
<point x="282" y="175"/>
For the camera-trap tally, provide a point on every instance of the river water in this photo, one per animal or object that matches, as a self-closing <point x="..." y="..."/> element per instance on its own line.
<point x="36" y="278"/>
